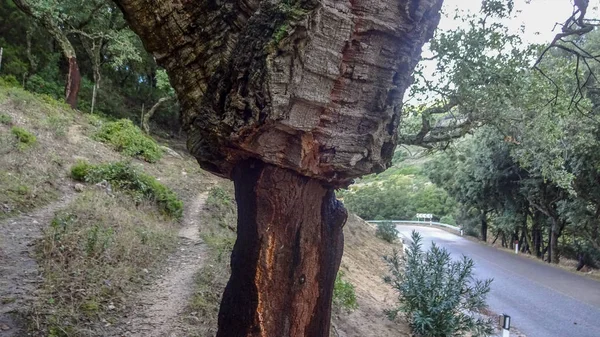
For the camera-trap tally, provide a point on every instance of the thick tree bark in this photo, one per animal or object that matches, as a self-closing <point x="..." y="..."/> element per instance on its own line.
<point x="286" y="257"/>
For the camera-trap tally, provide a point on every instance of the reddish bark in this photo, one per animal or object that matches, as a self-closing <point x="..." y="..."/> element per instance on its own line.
<point x="285" y="260"/>
<point x="73" y="83"/>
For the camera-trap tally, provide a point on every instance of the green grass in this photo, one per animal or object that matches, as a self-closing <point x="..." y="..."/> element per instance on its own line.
<point x="25" y="138"/>
<point x="123" y="176"/>
<point x="127" y="138"/>
<point x="5" y="119"/>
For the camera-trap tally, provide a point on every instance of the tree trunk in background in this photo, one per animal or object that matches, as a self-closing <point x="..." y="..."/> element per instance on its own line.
<point x="484" y="226"/>
<point x="73" y="79"/>
<point x="288" y="250"/>
<point x="146" y="116"/>
<point x="536" y="234"/>
<point x="290" y="99"/>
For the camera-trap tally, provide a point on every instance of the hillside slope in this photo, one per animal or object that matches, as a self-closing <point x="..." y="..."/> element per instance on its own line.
<point x="364" y="267"/>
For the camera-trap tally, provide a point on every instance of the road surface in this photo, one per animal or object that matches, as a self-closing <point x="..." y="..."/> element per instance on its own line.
<point x="543" y="301"/>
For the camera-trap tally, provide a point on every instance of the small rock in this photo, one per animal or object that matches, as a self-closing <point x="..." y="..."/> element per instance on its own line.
<point x="111" y="307"/>
<point x="79" y="187"/>
<point x="145" y="270"/>
<point x="4" y="327"/>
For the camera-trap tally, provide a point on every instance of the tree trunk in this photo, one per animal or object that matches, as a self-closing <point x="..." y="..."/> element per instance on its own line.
<point x="50" y="24"/>
<point x="484" y="226"/>
<point x="286" y="257"/>
<point x="146" y="116"/>
<point x="312" y="90"/>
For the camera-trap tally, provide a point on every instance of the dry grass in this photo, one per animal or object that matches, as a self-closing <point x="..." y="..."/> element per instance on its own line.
<point x="218" y="219"/>
<point x="31" y="174"/>
<point x="96" y="252"/>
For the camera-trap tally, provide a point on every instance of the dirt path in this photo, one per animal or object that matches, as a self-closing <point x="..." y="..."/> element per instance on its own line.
<point x="19" y="274"/>
<point x="159" y="309"/>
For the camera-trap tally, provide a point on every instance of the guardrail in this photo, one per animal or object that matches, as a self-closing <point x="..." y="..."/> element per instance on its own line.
<point x="407" y="222"/>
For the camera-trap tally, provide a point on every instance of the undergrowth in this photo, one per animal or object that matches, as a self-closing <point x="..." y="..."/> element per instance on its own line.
<point x="25" y="138"/>
<point x="127" y="138"/>
<point x="217" y="231"/>
<point x="344" y="296"/>
<point x="93" y="253"/>
<point x="125" y="177"/>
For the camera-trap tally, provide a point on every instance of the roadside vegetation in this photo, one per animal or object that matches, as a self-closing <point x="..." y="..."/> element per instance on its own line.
<point x="437" y="295"/>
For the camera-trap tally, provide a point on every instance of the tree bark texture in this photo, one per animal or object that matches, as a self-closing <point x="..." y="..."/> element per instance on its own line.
<point x="484" y="227"/>
<point x="311" y="85"/>
<point x="286" y="257"/>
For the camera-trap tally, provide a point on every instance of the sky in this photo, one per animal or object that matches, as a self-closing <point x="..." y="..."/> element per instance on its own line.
<point x="539" y="16"/>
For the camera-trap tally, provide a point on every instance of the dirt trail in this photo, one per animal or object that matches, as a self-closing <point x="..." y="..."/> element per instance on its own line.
<point x="158" y="310"/>
<point x="19" y="274"/>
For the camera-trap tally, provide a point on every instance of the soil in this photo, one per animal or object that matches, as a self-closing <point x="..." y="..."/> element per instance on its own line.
<point x="19" y="274"/>
<point x="364" y="267"/>
<point x="159" y="310"/>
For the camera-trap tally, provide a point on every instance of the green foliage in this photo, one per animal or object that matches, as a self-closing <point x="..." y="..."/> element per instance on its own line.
<point x="25" y="138"/>
<point x="125" y="177"/>
<point x="344" y="296"/>
<point x="387" y="231"/>
<point x="127" y="138"/>
<point x="9" y="81"/>
<point x="437" y="294"/>
<point x="5" y="119"/>
<point x="448" y="219"/>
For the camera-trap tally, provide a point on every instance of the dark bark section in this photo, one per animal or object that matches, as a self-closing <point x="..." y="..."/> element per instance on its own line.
<point x="286" y="257"/>
<point x="73" y="83"/>
<point x="484" y="226"/>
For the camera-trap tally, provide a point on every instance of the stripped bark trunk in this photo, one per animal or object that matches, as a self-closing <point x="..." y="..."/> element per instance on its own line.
<point x="288" y="251"/>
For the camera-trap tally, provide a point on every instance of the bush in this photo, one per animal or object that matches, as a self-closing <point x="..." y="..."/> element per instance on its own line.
<point x="26" y="139"/>
<point x="344" y="296"/>
<point x="125" y="177"/>
<point x="448" y="219"/>
<point x="5" y="119"/>
<point x="387" y="231"/>
<point x="438" y="295"/>
<point x="9" y="81"/>
<point x="127" y="138"/>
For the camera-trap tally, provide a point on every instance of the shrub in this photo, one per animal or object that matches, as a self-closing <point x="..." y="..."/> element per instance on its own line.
<point x="125" y="177"/>
<point x="127" y="138"/>
<point x="9" y="81"/>
<point x="438" y="295"/>
<point x="448" y="219"/>
<point x="344" y="296"/>
<point x="26" y="139"/>
<point x="387" y="231"/>
<point x="5" y="119"/>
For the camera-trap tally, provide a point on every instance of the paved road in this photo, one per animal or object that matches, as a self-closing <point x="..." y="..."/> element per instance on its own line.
<point x="543" y="301"/>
